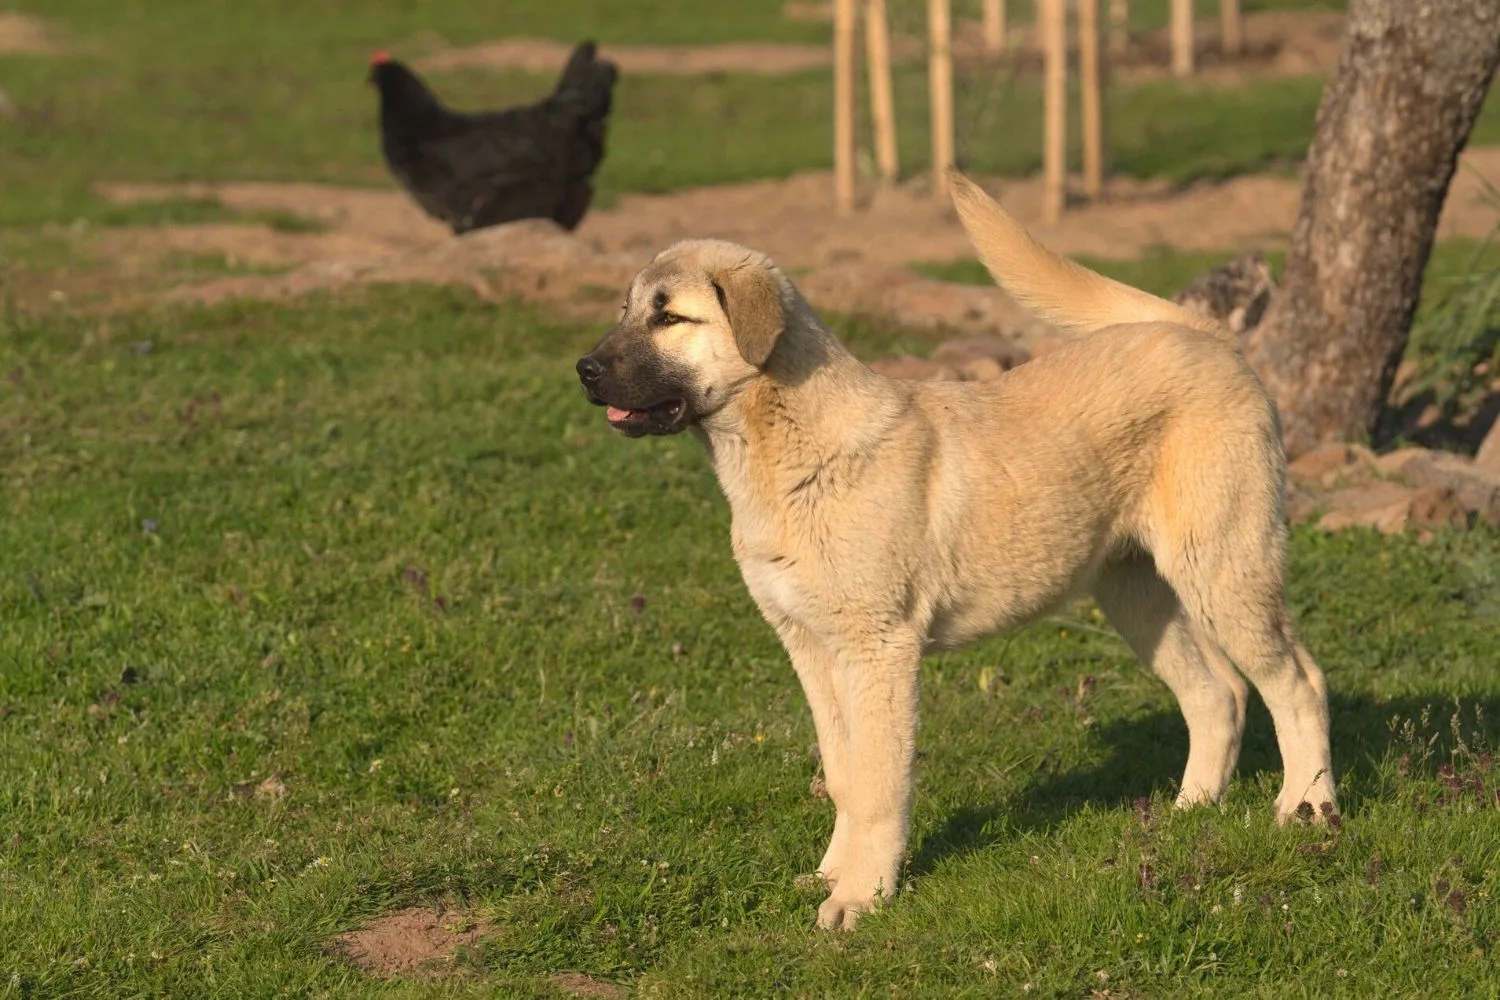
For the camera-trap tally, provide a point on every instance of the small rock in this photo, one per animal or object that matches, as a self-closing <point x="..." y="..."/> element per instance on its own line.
<point x="1391" y="508"/>
<point x="1329" y="462"/>
<point x="981" y="370"/>
<point x="959" y="351"/>
<point x="1384" y="506"/>
<point x="1394" y="463"/>
<point x="1477" y="488"/>
<point x="1438" y="507"/>
<point x="915" y="369"/>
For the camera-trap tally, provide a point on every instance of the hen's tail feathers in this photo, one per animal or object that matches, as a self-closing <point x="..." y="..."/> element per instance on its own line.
<point x="1060" y="291"/>
<point x="587" y="84"/>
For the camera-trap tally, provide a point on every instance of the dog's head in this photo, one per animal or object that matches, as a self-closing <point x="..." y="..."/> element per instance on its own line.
<point x="699" y="323"/>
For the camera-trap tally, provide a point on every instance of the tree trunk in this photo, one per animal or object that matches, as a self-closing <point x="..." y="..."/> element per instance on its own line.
<point x="1396" y="113"/>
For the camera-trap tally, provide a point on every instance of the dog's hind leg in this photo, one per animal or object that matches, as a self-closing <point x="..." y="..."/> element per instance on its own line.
<point x="1212" y="695"/>
<point x="1258" y="637"/>
<point x="1226" y="564"/>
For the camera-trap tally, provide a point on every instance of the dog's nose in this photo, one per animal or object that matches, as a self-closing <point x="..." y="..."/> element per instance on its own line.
<point x="590" y="369"/>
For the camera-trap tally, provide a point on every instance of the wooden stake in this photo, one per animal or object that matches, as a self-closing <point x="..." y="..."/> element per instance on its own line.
<point x="1231" y="28"/>
<point x="1182" y="37"/>
<point x="843" y="104"/>
<point x="1093" y="115"/>
<point x="882" y="104"/>
<point x="940" y="84"/>
<point x="994" y="26"/>
<point x="1054" y="25"/>
<point x="1119" y="26"/>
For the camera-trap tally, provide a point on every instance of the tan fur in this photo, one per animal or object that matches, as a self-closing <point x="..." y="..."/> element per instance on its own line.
<point x="1058" y="290"/>
<point x="752" y="303"/>
<point x="877" y="519"/>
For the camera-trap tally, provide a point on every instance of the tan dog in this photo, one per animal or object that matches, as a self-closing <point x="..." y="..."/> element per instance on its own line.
<point x="876" y="519"/>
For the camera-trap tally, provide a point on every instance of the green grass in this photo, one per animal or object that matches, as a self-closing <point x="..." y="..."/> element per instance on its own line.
<point x="379" y="546"/>
<point x="168" y="91"/>
<point x="376" y="545"/>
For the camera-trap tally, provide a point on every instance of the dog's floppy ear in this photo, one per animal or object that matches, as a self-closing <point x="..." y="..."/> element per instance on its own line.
<point x="751" y="297"/>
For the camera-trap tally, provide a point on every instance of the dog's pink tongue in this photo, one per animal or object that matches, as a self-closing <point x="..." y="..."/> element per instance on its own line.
<point x="615" y="414"/>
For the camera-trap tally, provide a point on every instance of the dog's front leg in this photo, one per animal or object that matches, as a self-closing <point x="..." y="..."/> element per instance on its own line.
<point x="875" y="684"/>
<point x="816" y="665"/>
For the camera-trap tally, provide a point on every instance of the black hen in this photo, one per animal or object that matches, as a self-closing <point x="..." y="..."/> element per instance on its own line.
<point x="477" y="170"/>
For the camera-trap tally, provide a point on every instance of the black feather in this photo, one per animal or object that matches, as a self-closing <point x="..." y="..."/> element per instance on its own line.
<point x="477" y="170"/>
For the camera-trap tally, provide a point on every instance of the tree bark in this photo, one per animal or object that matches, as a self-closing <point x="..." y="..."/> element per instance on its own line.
<point x="1396" y="113"/>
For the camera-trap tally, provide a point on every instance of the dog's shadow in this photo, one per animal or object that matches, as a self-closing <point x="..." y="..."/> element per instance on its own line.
<point x="1144" y="756"/>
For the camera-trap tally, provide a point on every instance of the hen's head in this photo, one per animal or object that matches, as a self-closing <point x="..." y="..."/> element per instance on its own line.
<point x="402" y="92"/>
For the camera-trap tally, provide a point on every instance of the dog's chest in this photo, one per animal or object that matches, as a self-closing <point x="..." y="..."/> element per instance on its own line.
<point x="776" y="526"/>
<point x="777" y="589"/>
<point x="772" y="574"/>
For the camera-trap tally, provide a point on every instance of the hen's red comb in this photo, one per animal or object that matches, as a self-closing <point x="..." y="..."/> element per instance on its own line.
<point x="380" y="58"/>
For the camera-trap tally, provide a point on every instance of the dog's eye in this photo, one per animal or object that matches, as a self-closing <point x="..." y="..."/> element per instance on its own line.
<point x="666" y="319"/>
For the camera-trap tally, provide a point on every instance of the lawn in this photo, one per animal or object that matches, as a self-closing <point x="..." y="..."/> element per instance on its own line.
<point x="380" y="548"/>
<point x="316" y="610"/>
<point x="217" y="90"/>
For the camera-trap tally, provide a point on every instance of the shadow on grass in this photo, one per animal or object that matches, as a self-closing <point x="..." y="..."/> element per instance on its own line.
<point x="1145" y="756"/>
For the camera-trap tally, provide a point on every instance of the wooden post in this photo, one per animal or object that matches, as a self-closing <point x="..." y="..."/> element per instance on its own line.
<point x="1231" y="28"/>
<point x="1182" y="37"/>
<point x="940" y="83"/>
<point x="1090" y="86"/>
<point x="1119" y="26"/>
<point x="843" y="104"/>
<point x="882" y="104"/>
<point x="994" y="26"/>
<point x="1054" y="25"/>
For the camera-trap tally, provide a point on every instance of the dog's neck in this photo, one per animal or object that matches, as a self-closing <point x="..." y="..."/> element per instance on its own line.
<point x="813" y="402"/>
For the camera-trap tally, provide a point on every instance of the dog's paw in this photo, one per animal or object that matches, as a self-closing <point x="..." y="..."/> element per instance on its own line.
<point x="839" y="913"/>
<point x="855" y="894"/>
<point x="1305" y="812"/>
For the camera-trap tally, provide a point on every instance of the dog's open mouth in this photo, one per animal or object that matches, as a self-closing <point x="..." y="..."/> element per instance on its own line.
<point x="662" y="418"/>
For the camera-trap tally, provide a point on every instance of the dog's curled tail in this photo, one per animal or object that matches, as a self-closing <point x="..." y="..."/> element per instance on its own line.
<point x="1060" y="291"/>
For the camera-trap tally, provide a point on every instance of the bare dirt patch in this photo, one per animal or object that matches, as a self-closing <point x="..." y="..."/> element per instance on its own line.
<point x="537" y="55"/>
<point x="808" y="11"/>
<point x="581" y="985"/>
<point x="795" y="222"/>
<point x="382" y="214"/>
<point x="240" y="244"/>
<point x="856" y="263"/>
<point x="24" y="35"/>
<point x="416" y="941"/>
